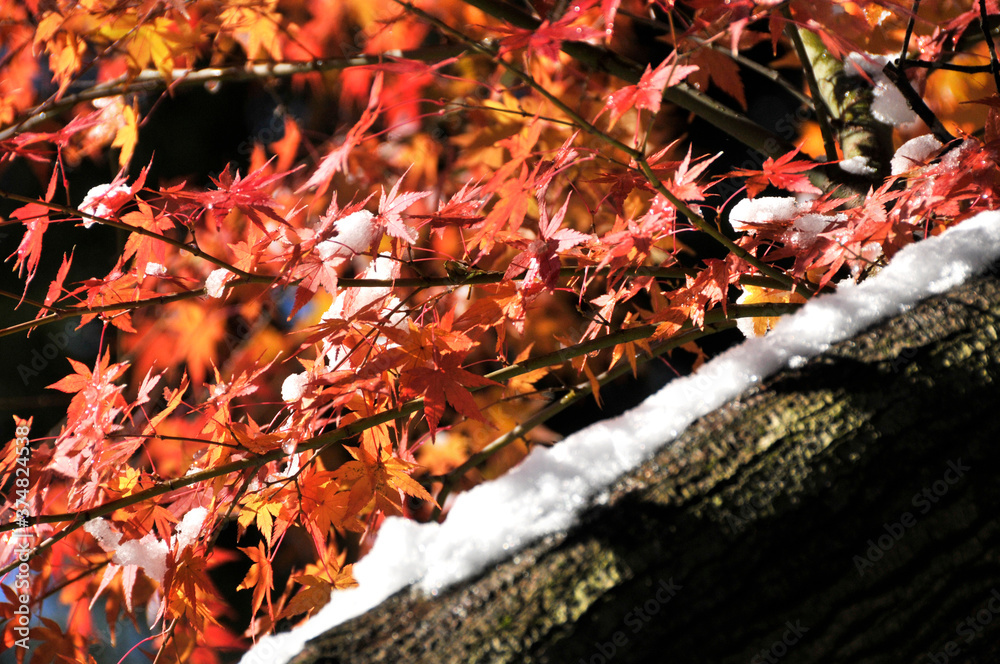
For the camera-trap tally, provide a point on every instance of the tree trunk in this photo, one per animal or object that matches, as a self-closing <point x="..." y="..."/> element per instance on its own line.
<point x="846" y="511"/>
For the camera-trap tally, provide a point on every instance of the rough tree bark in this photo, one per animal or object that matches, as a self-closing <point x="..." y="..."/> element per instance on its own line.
<point x="846" y="511"/>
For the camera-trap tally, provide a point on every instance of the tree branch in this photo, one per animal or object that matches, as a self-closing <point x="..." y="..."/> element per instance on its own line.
<point x="152" y="80"/>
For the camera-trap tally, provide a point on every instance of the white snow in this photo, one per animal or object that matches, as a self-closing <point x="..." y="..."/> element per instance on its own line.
<point x="352" y="300"/>
<point x="155" y="270"/>
<point x="814" y="223"/>
<point x="215" y="284"/>
<point x="189" y="528"/>
<point x="762" y="210"/>
<point x="888" y="106"/>
<point x="294" y="386"/>
<point x="355" y="235"/>
<point x="544" y="494"/>
<point x="148" y="553"/>
<point x="858" y="165"/>
<point x="913" y="153"/>
<point x="104" y="200"/>
<point x="748" y="214"/>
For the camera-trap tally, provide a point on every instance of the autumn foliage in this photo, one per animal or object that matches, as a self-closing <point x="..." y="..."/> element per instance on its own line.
<point x="480" y="213"/>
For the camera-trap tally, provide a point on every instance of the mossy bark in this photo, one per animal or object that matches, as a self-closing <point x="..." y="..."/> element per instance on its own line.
<point x="848" y="101"/>
<point x="846" y="511"/>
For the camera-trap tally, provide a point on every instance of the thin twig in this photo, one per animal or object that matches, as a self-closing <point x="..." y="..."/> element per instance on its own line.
<point x="773" y="75"/>
<point x="167" y="635"/>
<point x="916" y="103"/>
<point x="72" y="213"/>
<point x="823" y="114"/>
<point x="471" y="278"/>
<point x="965" y="69"/>
<point x="28" y="300"/>
<point x="896" y="72"/>
<point x="994" y="63"/>
<point x="735" y="124"/>
<point x="903" y="54"/>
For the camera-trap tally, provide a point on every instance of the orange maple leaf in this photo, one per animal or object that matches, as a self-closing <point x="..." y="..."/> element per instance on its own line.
<point x="444" y="381"/>
<point x="380" y="475"/>
<point x="146" y="249"/>
<point x="260" y="577"/>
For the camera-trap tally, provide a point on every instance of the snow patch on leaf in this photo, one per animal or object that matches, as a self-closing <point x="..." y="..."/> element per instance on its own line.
<point x="294" y="386"/>
<point x="189" y="528"/>
<point x="104" y="200"/>
<point x="751" y="212"/>
<point x="148" y="553"/>
<point x="215" y="284"/>
<point x="355" y="234"/>
<point x="914" y="153"/>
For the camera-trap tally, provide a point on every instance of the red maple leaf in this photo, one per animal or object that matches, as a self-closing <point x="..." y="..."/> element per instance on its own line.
<point x="392" y="205"/>
<point x="462" y="209"/>
<point x="734" y="15"/>
<point x="55" y="288"/>
<point x="685" y="182"/>
<point x="784" y="173"/>
<point x="540" y="257"/>
<point x="35" y="217"/>
<point x="547" y="38"/>
<point x="336" y="160"/>
<point x="648" y="92"/>
<point x="247" y="194"/>
<point x="444" y="381"/>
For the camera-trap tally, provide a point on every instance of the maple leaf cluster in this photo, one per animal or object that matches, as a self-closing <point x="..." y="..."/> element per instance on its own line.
<point x="475" y="220"/>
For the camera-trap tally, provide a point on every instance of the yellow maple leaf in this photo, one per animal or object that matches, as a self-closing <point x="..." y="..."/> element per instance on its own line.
<point x="263" y="511"/>
<point x="65" y="48"/>
<point x="127" y="136"/>
<point x="159" y="42"/>
<point x="758" y="327"/>
<point x="257" y="29"/>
